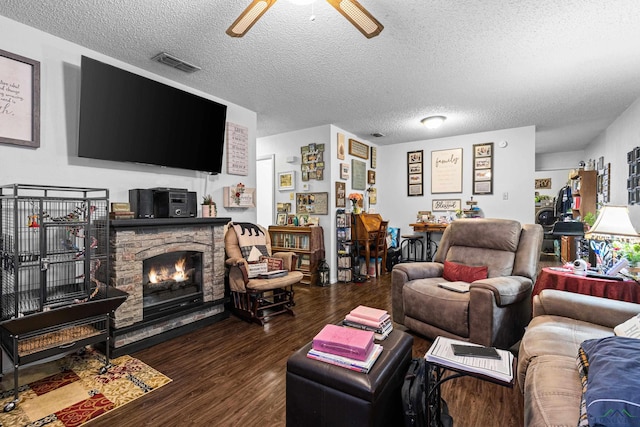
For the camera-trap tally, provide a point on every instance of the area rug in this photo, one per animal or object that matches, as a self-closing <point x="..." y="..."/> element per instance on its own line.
<point x="70" y="391"/>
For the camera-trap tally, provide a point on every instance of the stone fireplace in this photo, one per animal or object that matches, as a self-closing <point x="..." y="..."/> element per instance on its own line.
<point x="173" y="271"/>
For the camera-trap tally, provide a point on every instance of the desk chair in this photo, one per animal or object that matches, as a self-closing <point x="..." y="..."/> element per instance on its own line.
<point x="378" y="249"/>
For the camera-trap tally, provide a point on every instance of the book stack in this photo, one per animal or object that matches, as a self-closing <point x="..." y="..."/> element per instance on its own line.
<point x="346" y="347"/>
<point x="370" y="319"/>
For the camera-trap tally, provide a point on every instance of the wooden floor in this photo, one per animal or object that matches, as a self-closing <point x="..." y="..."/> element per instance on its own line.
<point x="232" y="373"/>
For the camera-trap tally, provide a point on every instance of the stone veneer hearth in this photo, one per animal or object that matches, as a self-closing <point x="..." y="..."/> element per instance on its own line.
<point x="133" y="241"/>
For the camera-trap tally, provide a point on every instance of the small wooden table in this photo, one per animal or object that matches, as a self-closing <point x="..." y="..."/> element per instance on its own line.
<point x="428" y="228"/>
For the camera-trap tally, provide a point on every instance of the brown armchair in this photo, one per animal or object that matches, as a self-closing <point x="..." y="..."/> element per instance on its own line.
<point x="256" y="299"/>
<point x="497" y="308"/>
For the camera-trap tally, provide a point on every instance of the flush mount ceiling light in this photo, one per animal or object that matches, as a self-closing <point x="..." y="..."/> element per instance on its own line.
<point x="433" y="122"/>
<point x="350" y="9"/>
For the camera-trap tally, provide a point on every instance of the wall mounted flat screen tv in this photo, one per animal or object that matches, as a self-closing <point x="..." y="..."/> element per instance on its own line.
<point x="129" y="118"/>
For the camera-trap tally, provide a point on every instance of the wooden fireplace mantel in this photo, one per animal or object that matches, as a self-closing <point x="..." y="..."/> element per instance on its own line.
<point x="161" y="222"/>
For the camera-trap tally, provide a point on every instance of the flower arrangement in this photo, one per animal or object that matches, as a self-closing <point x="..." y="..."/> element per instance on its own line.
<point x="355" y="198"/>
<point x="238" y="193"/>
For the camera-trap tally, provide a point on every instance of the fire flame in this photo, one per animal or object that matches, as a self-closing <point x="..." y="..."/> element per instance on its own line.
<point x="162" y="274"/>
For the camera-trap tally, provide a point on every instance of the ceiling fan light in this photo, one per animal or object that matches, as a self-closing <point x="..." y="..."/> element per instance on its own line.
<point x="249" y="16"/>
<point x="433" y="122"/>
<point x="358" y="16"/>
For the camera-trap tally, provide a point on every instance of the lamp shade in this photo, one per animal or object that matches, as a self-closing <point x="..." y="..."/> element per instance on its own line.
<point x="613" y="222"/>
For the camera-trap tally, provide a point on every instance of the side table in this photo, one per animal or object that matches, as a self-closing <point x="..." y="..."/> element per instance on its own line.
<point x="550" y="278"/>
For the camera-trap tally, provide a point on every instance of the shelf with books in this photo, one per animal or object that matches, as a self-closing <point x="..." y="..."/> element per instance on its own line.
<point x="344" y="246"/>
<point x="306" y="242"/>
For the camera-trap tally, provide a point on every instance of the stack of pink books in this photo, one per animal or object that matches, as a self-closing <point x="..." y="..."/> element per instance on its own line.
<point x="370" y="319"/>
<point x="347" y="347"/>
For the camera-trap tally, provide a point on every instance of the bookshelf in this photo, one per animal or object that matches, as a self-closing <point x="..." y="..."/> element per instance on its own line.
<point x="344" y="246"/>
<point x="306" y="242"/>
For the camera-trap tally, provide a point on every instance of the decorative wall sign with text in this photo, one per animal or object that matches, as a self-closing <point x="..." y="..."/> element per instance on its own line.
<point x="19" y="100"/>
<point x="446" y="205"/>
<point x="358" y="175"/>
<point x="483" y="168"/>
<point x="237" y="149"/>
<point x="358" y="149"/>
<point x="446" y="171"/>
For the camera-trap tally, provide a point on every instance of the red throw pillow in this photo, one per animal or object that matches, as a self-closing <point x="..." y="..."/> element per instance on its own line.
<point x="454" y="272"/>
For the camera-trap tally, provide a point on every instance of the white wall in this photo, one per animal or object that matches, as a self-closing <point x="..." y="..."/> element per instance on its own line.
<point x="513" y="172"/>
<point x="619" y="138"/>
<point x="56" y="161"/>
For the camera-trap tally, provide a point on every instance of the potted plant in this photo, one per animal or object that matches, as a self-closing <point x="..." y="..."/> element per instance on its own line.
<point x="208" y="207"/>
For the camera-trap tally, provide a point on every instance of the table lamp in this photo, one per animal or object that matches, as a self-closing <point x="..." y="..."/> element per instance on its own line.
<point x="612" y="224"/>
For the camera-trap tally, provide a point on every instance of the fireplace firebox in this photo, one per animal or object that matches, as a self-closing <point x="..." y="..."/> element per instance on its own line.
<point x="171" y="282"/>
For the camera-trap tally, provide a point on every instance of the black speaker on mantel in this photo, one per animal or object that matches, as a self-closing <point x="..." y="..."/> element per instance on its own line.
<point x="141" y="201"/>
<point x="192" y="204"/>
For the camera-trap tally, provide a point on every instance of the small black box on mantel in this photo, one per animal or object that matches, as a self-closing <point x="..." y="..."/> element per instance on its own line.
<point x="141" y="201"/>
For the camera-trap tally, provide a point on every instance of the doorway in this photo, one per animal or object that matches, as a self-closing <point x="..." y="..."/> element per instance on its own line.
<point x="265" y="167"/>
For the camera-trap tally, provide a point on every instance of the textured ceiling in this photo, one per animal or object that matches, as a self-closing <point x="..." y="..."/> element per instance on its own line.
<point x="568" y="67"/>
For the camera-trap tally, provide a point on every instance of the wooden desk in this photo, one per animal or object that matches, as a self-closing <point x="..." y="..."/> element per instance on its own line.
<point x="365" y="232"/>
<point x="565" y="281"/>
<point x="428" y="228"/>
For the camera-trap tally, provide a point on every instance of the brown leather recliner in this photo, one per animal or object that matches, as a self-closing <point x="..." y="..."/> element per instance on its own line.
<point x="496" y="310"/>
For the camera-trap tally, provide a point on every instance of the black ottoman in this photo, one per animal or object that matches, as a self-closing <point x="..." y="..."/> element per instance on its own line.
<point x="321" y="394"/>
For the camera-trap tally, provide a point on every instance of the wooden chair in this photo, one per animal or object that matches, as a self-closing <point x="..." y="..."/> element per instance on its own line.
<point x="255" y="299"/>
<point x="378" y="248"/>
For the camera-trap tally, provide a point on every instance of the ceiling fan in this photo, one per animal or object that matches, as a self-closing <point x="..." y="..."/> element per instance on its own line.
<point x="350" y="9"/>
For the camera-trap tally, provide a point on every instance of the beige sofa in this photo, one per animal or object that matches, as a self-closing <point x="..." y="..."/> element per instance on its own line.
<point x="547" y="370"/>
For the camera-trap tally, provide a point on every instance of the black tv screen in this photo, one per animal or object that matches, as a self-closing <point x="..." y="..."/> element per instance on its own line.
<point x="129" y="118"/>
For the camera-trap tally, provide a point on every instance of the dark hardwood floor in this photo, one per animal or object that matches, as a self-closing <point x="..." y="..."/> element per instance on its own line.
<point x="232" y="373"/>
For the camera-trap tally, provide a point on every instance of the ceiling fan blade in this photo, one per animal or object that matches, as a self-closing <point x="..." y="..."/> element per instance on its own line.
<point x="250" y="16"/>
<point x="358" y="16"/>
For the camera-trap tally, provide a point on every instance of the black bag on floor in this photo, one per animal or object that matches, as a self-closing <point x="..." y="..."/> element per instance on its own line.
<point x="414" y="394"/>
<point x="414" y="397"/>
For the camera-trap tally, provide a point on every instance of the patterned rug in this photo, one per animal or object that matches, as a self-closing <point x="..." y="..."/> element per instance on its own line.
<point x="70" y="391"/>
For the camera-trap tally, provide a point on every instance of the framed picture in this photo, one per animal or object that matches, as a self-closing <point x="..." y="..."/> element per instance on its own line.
<point x="282" y="219"/>
<point x="414" y="157"/>
<point x="245" y="199"/>
<point x="340" y="149"/>
<point x="482" y="163"/>
<point x="446" y="205"/>
<point x="483" y="150"/>
<point x="415" y="190"/>
<point x="359" y="178"/>
<point x="371" y="177"/>
<point x="374" y="157"/>
<point x="312" y="203"/>
<point x="312" y="164"/>
<point x="19" y="100"/>
<point x="415" y="178"/>
<point x="358" y="149"/>
<point x="483" y="169"/>
<point x="287" y="180"/>
<point x="344" y="170"/>
<point x="446" y="171"/>
<point x="341" y="194"/>
<point x="415" y="168"/>
<point x="283" y="207"/>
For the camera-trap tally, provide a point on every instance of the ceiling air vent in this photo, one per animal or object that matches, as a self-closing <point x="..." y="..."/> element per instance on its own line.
<point x="172" y="61"/>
